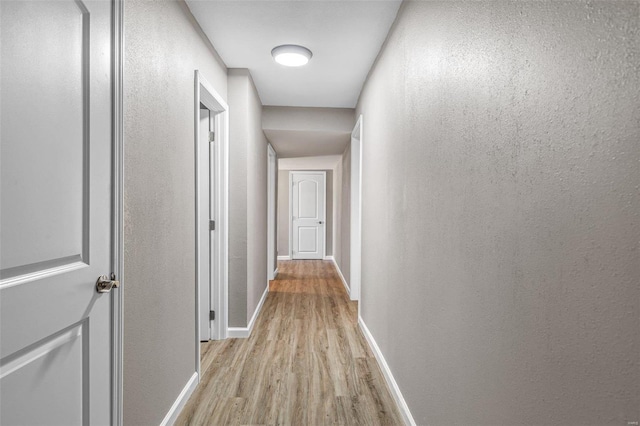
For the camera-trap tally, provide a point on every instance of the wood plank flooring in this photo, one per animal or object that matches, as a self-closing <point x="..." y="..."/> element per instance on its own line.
<point x="306" y="362"/>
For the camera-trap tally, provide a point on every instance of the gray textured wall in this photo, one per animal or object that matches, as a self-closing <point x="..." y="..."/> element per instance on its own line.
<point x="283" y="212"/>
<point x="247" y="199"/>
<point x="337" y="216"/>
<point x="257" y="192"/>
<point x="238" y="88"/>
<point x="501" y="211"/>
<point x="163" y="48"/>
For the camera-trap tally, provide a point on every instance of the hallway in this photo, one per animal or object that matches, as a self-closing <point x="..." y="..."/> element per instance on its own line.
<point x="306" y="362"/>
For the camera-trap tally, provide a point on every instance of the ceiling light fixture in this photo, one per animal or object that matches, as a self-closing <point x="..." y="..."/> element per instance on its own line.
<point x="291" y="55"/>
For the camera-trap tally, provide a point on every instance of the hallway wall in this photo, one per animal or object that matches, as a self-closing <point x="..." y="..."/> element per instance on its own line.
<point x="164" y="45"/>
<point x="247" y="199"/>
<point x="500" y="211"/>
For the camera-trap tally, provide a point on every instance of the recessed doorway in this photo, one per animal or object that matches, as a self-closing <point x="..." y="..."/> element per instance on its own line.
<point x="211" y="206"/>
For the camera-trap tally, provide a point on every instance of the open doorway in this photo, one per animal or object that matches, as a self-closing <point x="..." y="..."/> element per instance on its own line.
<point x="356" y="211"/>
<point x="272" y="171"/>
<point x="211" y="206"/>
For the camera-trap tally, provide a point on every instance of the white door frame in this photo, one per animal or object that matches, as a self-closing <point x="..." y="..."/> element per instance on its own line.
<point x="206" y="95"/>
<point x="117" y="298"/>
<point x="356" y="211"/>
<point x="306" y="172"/>
<point x="271" y="212"/>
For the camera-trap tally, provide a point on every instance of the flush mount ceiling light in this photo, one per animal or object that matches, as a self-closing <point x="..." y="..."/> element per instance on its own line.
<point x="291" y="55"/>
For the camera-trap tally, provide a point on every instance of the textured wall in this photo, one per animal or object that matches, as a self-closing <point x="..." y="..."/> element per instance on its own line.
<point x="238" y="88"/>
<point x="257" y="191"/>
<point x="337" y="212"/>
<point x="501" y="211"/>
<point x="163" y="48"/>
<point x="283" y="213"/>
<point x="247" y="199"/>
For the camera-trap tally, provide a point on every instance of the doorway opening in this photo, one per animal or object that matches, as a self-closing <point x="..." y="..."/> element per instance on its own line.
<point x="211" y="206"/>
<point x="272" y="172"/>
<point x="356" y="211"/>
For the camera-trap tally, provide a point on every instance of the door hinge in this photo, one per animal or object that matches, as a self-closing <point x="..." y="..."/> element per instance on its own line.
<point x="212" y="136"/>
<point x="212" y="315"/>
<point x="212" y="225"/>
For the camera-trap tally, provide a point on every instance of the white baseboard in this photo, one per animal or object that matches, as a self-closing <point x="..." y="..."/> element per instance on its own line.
<point x="275" y="274"/>
<point x="242" y="332"/>
<point x="179" y="403"/>
<point x="329" y="258"/>
<point x="287" y="257"/>
<point x="344" y="282"/>
<point x="388" y="376"/>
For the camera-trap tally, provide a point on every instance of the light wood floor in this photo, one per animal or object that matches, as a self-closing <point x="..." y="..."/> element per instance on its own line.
<point x="306" y="362"/>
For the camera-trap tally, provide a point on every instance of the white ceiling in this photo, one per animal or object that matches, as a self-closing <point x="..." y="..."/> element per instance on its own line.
<point x="306" y="132"/>
<point x="304" y="143"/>
<point x="344" y="36"/>
<point x="325" y="162"/>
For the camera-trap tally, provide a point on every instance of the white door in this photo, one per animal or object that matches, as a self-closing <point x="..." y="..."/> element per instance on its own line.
<point x="308" y="215"/>
<point x="55" y="197"/>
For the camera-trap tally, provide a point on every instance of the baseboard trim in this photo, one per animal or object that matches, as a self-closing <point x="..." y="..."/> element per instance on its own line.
<point x="344" y="282"/>
<point x="244" y="332"/>
<point x="329" y="258"/>
<point x="284" y="257"/>
<point x="275" y="274"/>
<point x="388" y="376"/>
<point x="180" y="402"/>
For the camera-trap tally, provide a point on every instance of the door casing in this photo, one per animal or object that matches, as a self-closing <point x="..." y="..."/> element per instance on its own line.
<point x="117" y="59"/>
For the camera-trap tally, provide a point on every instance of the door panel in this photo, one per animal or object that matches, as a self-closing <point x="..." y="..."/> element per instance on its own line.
<point x="57" y="31"/>
<point x="55" y="209"/>
<point x="308" y="215"/>
<point x="38" y="369"/>
<point x="307" y="239"/>
<point x="308" y="193"/>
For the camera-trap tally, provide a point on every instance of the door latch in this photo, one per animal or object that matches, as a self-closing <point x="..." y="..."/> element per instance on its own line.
<point x="104" y="284"/>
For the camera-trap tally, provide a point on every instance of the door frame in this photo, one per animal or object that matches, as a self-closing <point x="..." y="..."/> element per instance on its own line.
<point x="117" y="227"/>
<point x="272" y="176"/>
<point x="306" y="172"/>
<point x="355" y="279"/>
<point x="205" y="94"/>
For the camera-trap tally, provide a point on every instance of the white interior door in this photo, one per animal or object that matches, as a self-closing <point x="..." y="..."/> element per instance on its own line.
<point x="56" y="213"/>
<point x="308" y="214"/>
